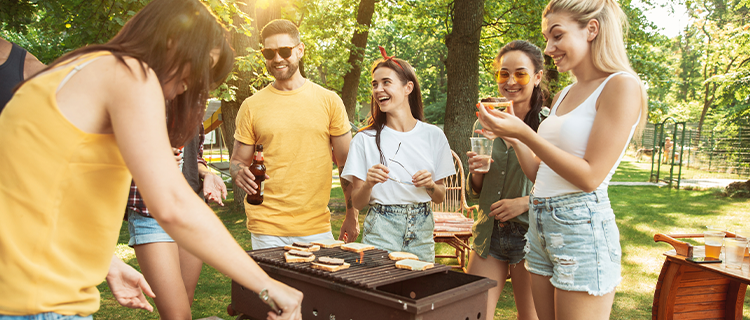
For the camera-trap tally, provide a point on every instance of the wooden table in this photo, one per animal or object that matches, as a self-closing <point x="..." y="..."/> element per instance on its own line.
<point x="687" y="290"/>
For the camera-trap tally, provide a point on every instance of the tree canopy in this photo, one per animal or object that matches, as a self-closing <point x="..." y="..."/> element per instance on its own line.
<point x="702" y="75"/>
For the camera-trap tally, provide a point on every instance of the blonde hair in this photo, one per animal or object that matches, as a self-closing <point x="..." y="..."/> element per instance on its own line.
<point x="608" y="48"/>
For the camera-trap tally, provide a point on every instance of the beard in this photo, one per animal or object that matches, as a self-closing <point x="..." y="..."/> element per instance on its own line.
<point x="291" y="69"/>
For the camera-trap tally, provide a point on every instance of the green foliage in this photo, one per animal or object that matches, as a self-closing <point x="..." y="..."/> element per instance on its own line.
<point x="18" y="14"/>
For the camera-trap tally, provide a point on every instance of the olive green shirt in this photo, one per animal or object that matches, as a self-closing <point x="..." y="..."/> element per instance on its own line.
<point x="504" y="180"/>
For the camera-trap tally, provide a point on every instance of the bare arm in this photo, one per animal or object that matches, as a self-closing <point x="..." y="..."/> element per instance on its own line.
<point x="182" y="214"/>
<point x="31" y="65"/>
<point x="350" y="226"/>
<point x="616" y="114"/>
<point x="477" y="178"/>
<point x="361" y="190"/>
<point x="239" y="167"/>
<point x="526" y="158"/>
<point x="436" y="189"/>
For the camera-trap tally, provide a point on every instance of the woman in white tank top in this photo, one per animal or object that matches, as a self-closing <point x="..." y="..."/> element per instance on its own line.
<point x="573" y="250"/>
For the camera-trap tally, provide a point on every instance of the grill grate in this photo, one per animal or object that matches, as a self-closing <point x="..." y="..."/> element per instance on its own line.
<point x="376" y="270"/>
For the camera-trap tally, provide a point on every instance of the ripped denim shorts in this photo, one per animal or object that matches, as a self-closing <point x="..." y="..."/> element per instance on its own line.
<point x="401" y="227"/>
<point x="574" y="239"/>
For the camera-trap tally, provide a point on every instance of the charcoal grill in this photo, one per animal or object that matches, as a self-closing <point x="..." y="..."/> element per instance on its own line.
<point x="373" y="289"/>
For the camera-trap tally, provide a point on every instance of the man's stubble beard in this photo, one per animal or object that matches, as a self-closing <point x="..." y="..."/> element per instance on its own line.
<point x="281" y="76"/>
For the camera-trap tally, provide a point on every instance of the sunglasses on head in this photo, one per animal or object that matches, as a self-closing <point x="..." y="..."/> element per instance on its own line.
<point x="284" y="52"/>
<point x="521" y="77"/>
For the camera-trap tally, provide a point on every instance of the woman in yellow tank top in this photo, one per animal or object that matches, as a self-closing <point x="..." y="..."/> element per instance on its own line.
<point x="73" y="135"/>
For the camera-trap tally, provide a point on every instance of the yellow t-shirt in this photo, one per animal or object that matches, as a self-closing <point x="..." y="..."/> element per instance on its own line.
<point x="295" y="128"/>
<point x="62" y="196"/>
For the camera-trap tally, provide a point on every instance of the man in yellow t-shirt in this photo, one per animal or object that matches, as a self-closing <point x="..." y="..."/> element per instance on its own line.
<point x="298" y="123"/>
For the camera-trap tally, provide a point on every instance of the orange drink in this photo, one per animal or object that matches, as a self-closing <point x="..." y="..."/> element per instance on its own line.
<point x="713" y="250"/>
<point x="713" y="241"/>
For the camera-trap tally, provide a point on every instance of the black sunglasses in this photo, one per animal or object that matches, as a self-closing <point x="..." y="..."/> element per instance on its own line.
<point x="284" y="52"/>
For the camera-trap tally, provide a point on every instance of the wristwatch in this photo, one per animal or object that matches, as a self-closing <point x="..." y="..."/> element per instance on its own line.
<point x="269" y="301"/>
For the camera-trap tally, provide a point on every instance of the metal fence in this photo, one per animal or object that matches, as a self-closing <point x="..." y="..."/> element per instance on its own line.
<point x="726" y="152"/>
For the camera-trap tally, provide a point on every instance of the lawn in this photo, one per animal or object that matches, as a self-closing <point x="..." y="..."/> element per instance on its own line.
<point x="641" y="212"/>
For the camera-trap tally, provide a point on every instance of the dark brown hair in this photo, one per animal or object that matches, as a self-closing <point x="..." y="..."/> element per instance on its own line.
<point x="405" y="73"/>
<point x="279" y="26"/>
<point x="169" y="36"/>
<point x="539" y="94"/>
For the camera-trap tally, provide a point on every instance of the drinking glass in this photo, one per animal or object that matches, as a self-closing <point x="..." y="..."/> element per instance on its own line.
<point x="483" y="148"/>
<point x="713" y="240"/>
<point x="744" y="234"/>
<point x="734" y="252"/>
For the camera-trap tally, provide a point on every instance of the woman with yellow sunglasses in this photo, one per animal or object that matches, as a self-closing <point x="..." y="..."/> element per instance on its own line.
<point x="503" y="191"/>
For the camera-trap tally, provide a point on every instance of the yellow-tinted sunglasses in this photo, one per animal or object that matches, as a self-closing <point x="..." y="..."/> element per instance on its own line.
<point x="521" y="77"/>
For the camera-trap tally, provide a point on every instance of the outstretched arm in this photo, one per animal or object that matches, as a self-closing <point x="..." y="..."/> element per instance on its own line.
<point x="350" y="226"/>
<point x="617" y="112"/>
<point x="182" y="214"/>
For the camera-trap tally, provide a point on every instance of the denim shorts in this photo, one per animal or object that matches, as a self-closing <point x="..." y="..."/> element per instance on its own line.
<point x="574" y="239"/>
<point x="508" y="241"/>
<point x="46" y="316"/>
<point x="144" y="230"/>
<point x="405" y="228"/>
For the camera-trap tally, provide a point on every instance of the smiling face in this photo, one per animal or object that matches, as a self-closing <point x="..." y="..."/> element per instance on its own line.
<point x="389" y="91"/>
<point x="283" y="69"/>
<point x="567" y="43"/>
<point x="518" y="63"/>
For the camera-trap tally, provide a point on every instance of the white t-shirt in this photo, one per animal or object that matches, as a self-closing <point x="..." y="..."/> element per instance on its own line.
<point x="422" y="148"/>
<point x="570" y="132"/>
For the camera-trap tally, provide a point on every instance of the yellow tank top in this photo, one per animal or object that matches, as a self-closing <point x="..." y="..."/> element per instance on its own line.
<point x="62" y="197"/>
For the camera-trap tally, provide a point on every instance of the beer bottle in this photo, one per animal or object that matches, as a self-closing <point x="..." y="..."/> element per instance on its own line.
<point x="258" y="169"/>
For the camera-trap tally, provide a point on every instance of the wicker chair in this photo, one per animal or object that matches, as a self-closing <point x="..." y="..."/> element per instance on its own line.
<point x="454" y="218"/>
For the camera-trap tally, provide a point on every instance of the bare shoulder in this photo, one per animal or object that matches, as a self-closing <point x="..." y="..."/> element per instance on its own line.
<point x="554" y="100"/>
<point x="621" y="95"/>
<point x="31" y="65"/>
<point x="622" y="85"/>
<point x="125" y="78"/>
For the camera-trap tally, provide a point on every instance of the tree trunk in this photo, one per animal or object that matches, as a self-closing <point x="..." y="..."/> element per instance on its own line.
<point x="462" y="65"/>
<point x="356" y="55"/>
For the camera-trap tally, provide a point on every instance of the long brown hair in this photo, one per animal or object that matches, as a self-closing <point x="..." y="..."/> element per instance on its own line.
<point x="405" y="73"/>
<point x="169" y="36"/>
<point x="539" y="94"/>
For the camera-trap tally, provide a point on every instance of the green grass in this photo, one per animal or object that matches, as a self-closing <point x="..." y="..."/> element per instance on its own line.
<point x="641" y="212"/>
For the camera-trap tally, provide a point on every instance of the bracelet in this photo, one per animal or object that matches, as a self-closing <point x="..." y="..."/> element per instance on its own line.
<point x="263" y="294"/>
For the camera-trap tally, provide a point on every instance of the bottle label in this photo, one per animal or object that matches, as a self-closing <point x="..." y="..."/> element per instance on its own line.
<point x="259" y="156"/>
<point x="262" y="186"/>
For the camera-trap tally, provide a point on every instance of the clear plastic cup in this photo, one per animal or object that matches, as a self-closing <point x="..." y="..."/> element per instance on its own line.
<point x="713" y="241"/>
<point x="734" y="252"/>
<point x="744" y="234"/>
<point x="483" y="148"/>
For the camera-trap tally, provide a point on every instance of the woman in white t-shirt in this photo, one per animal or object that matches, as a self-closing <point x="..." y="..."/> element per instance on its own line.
<point x="397" y="164"/>
<point x="573" y="251"/>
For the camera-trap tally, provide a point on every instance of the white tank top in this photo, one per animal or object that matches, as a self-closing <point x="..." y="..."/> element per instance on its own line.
<point x="570" y="132"/>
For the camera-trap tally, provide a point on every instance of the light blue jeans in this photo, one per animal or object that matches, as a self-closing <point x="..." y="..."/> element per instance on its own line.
<point x="45" y="316"/>
<point x="574" y="239"/>
<point x="406" y="228"/>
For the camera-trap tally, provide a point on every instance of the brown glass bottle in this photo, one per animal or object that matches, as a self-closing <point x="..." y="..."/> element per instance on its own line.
<point x="258" y="169"/>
